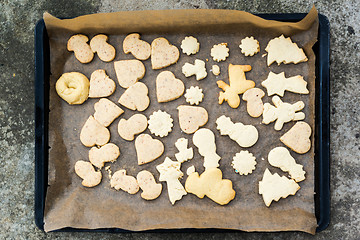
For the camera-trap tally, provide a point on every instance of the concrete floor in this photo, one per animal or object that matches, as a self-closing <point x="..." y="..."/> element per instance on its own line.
<point x="18" y="18"/>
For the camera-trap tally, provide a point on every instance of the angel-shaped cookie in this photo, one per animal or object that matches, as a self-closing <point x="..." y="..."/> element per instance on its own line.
<point x="170" y="173"/>
<point x="238" y="85"/>
<point x="282" y="112"/>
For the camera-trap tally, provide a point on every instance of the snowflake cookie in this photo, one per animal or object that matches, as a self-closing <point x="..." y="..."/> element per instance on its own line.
<point x="190" y="45"/>
<point x="160" y="123"/>
<point x="249" y="46"/>
<point x="194" y="95"/>
<point x="220" y="52"/>
<point x="244" y="163"/>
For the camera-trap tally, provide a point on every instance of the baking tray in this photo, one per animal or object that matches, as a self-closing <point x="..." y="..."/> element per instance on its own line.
<point x="322" y="125"/>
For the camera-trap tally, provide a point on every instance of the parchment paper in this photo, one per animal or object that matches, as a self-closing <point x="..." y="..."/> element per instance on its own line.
<point x="69" y="204"/>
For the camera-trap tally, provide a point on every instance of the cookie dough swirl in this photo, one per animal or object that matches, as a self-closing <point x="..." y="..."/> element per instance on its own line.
<point x="73" y="87"/>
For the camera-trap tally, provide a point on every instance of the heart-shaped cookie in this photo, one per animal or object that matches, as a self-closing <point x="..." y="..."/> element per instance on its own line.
<point x="106" y="111"/>
<point x="128" y="72"/>
<point x="298" y="138"/>
<point x="135" y="97"/>
<point x="163" y="54"/>
<point x="136" y="124"/>
<point x="147" y="148"/>
<point x="107" y="153"/>
<point x="168" y="87"/>
<point x="191" y="118"/>
<point x="100" y="84"/>
<point x="93" y="133"/>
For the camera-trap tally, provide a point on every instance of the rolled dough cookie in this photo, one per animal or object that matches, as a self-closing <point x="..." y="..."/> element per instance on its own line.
<point x="136" y="97"/>
<point x="82" y="50"/>
<point x="101" y="85"/>
<point x="106" y="111"/>
<point x="282" y="112"/>
<point x="128" y="72"/>
<point x="194" y="95"/>
<point x="151" y="189"/>
<point x="160" y="123"/>
<point x="215" y="70"/>
<point x="73" y="87"/>
<point x="211" y="184"/>
<point x="278" y="83"/>
<point x="147" y="148"/>
<point x="104" y="50"/>
<point x="140" y="49"/>
<point x="249" y="46"/>
<point x="280" y="157"/>
<point x="198" y="69"/>
<point x="283" y="50"/>
<point x="86" y="171"/>
<point x="170" y="173"/>
<point x="255" y="105"/>
<point x="204" y="140"/>
<point x="190" y="45"/>
<point x="107" y="153"/>
<point x="273" y="187"/>
<point x="191" y="118"/>
<point x="120" y="180"/>
<point x="136" y="124"/>
<point x="163" y="54"/>
<point x="244" y="162"/>
<point x="298" y="138"/>
<point x="168" y="87"/>
<point x="219" y="52"/>
<point x="93" y="133"/>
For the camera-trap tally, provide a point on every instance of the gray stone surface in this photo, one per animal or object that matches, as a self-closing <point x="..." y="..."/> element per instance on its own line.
<point x="18" y="19"/>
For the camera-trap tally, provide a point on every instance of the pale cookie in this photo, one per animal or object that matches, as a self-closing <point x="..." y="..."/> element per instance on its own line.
<point x="147" y="148"/>
<point x="128" y="72"/>
<point x="244" y="135"/>
<point x="219" y="52"/>
<point x="170" y="173"/>
<point x="184" y="153"/>
<point x="101" y="85"/>
<point x="137" y="47"/>
<point x="168" y="87"/>
<point x="244" y="163"/>
<point x="190" y="45"/>
<point x="93" y="133"/>
<point x="282" y="112"/>
<point x="211" y="184"/>
<point x="190" y="170"/>
<point x="191" y="118"/>
<point x="163" y="54"/>
<point x="106" y="111"/>
<point x="198" y="69"/>
<point x="204" y="140"/>
<point x="272" y="187"/>
<point x="280" y="157"/>
<point x="104" y="50"/>
<point x="107" y="153"/>
<point x="238" y="85"/>
<point x="147" y="183"/>
<point x="278" y="83"/>
<point x="215" y="70"/>
<point x="120" y="180"/>
<point x="255" y="105"/>
<point x="283" y="50"/>
<point x="82" y="50"/>
<point x="194" y="95"/>
<point x="298" y="138"/>
<point x="249" y="46"/>
<point x="136" y="97"/>
<point x="136" y="124"/>
<point x="86" y="171"/>
<point x="73" y="87"/>
<point x="160" y="123"/>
